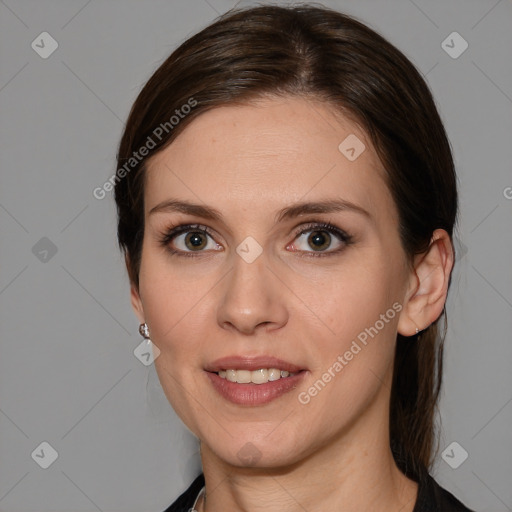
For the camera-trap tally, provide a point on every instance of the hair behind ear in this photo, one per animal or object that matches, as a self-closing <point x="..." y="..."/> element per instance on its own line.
<point x="417" y="380"/>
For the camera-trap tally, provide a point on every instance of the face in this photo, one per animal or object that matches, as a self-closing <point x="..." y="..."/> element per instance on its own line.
<point x="291" y="258"/>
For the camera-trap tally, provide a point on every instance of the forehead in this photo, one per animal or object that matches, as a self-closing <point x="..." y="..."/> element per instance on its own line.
<point x="269" y="154"/>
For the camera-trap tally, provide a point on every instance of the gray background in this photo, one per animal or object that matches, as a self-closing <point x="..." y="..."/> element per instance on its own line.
<point x="68" y="374"/>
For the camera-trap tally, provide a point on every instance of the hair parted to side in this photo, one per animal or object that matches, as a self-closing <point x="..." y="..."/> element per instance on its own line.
<point x="317" y="53"/>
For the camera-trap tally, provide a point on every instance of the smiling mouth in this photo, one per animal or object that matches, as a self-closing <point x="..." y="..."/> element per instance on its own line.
<point x="254" y="387"/>
<point x="260" y="376"/>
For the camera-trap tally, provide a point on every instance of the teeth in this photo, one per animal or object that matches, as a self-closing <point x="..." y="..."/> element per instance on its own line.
<point x="260" y="376"/>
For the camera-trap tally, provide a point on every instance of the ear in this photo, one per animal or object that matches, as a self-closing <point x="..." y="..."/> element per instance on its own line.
<point x="428" y="285"/>
<point x="137" y="303"/>
<point x="135" y="295"/>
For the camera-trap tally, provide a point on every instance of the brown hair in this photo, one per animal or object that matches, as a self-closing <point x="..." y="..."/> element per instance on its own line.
<point x="315" y="52"/>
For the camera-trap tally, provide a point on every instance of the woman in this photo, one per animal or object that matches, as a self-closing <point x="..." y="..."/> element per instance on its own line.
<point x="286" y="198"/>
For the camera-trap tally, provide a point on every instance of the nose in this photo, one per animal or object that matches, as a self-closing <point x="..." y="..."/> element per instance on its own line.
<point x="253" y="298"/>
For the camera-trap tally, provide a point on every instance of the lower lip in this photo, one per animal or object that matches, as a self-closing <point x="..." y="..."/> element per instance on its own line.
<point x="254" y="394"/>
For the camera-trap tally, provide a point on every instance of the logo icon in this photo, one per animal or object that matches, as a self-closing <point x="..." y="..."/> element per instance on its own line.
<point x="44" y="45"/>
<point x="351" y="147"/>
<point x="249" y="249"/>
<point x="454" y="45"/>
<point x="45" y="455"/>
<point x="454" y="455"/>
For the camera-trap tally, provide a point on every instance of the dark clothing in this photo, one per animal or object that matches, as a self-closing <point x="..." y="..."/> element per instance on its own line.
<point x="431" y="497"/>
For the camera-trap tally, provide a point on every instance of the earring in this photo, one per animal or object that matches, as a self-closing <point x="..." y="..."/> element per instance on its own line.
<point x="144" y="331"/>
<point x="417" y="330"/>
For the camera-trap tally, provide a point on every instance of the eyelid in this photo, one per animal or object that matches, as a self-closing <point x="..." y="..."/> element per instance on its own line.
<point x="171" y="232"/>
<point x="344" y="237"/>
<point x="322" y="226"/>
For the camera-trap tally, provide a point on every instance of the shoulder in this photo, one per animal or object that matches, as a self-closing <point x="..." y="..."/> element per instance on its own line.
<point x="434" y="498"/>
<point x="185" y="501"/>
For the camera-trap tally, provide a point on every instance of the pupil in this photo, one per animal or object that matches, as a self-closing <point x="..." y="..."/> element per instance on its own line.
<point x="319" y="240"/>
<point x="195" y="240"/>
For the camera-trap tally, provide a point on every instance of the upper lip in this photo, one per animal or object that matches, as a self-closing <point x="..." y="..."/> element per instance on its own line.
<point x="251" y="363"/>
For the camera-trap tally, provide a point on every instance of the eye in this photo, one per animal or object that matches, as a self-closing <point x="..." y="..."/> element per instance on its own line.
<point x="320" y="237"/>
<point x="189" y="239"/>
<point x="194" y="239"/>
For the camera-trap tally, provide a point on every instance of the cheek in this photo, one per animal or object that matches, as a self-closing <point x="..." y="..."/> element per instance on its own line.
<point x="351" y="297"/>
<point x="176" y="303"/>
<point x="352" y="367"/>
<point x="172" y="306"/>
<point x="359" y="312"/>
<point x="183" y="390"/>
<point x="359" y="332"/>
<point x="170" y="297"/>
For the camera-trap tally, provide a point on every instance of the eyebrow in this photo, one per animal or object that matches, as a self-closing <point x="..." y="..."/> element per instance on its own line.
<point x="289" y="212"/>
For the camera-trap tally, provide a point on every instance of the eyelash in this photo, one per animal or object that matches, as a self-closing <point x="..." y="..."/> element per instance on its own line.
<point x="174" y="231"/>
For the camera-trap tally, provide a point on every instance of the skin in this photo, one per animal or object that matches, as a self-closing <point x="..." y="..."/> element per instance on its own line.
<point x="249" y="162"/>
